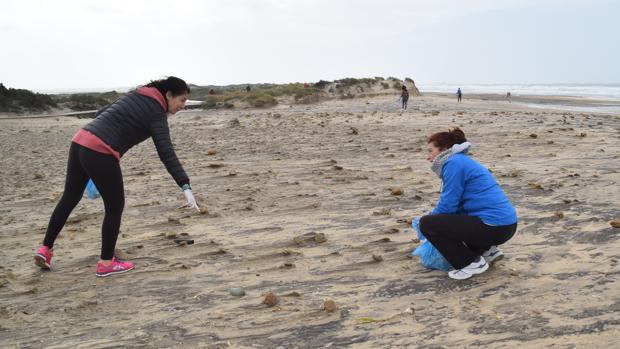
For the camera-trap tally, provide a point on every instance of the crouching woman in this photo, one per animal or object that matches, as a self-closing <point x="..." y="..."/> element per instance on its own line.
<point x="473" y="216"/>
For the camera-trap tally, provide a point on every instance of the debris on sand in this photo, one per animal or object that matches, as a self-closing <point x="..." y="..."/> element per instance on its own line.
<point x="392" y="231"/>
<point x="320" y="238"/>
<point x="234" y="123"/>
<point x="383" y="212"/>
<point x="310" y="238"/>
<point x="236" y="291"/>
<point x="396" y="191"/>
<point x="270" y="299"/>
<point x="615" y="223"/>
<point x="183" y="242"/>
<point x="535" y="185"/>
<point x="329" y="306"/>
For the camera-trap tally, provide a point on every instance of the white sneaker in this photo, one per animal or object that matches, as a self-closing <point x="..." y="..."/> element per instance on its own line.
<point x="493" y="253"/>
<point x="477" y="267"/>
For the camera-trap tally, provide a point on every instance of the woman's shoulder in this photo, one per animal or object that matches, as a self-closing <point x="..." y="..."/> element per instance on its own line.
<point x="462" y="160"/>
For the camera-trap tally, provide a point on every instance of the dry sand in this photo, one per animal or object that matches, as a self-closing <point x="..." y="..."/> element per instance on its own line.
<point x="273" y="181"/>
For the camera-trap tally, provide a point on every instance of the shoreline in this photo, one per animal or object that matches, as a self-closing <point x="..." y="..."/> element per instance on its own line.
<point x="544" y="102"/>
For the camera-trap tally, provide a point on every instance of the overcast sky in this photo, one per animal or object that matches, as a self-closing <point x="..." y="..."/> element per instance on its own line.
<point x="65" y="44"/>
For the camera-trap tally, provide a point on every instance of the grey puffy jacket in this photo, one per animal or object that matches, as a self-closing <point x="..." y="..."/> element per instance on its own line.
<point x="130" y="120"/>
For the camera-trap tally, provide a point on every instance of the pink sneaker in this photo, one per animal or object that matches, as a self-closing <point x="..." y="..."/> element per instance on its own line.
<point x="115" y="267"/>
<point x="43" y="257"/>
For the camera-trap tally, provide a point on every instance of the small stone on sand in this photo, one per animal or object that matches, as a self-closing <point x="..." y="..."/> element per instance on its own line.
<point x="270" y="299"/>
<point x="396" y="191"/>
<point x="615" y="223"/>
<point x="329" y="306"/>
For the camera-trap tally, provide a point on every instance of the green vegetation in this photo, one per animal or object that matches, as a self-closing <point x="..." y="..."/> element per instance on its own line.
<point x="260" y="96"/>
<point x="20" y="100"/>
<point x="87" y="101"/>
<point x="321" y="84"/>
<point x="260" y="99"/>
<point x="267" y="95"/>
<point x="353" y="81"/>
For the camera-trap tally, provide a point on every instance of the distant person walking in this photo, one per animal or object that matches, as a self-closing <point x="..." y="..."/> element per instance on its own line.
<point x="404" y="97"/>
<point x="95" y="153"/>
<point x="459" y="95"/>
<point x="508" y="97"/>
<point x="248" y="88"/>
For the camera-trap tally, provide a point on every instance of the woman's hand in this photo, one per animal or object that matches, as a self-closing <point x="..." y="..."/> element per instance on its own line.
<point x="191" y="201"/>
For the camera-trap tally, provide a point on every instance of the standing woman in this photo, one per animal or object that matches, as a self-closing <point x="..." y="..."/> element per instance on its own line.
<point x="404" y="96"/>
<point x="473" y="215"/>
<point x="95" y="153"/>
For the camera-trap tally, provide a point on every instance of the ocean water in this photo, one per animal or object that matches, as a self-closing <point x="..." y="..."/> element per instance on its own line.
<point x="601" y="98"/>
<point x="597" y="92"/>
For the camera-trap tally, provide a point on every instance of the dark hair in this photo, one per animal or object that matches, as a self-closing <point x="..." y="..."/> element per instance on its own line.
<point x="404" y="87"/>
<point x="445" y="140"/>
<point x="173" y="84"/>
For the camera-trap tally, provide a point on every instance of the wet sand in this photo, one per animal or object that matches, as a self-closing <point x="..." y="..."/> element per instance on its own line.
<point x="273" y="181"/>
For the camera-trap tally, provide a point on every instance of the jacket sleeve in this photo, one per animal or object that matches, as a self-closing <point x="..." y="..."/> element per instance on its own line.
<point x="453" y="179"/>
<point x="161" y="137"/>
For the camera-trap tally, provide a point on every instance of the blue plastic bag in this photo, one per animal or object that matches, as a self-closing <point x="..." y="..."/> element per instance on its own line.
<point x="430" y="257"/>
<point x="91" y="190"/>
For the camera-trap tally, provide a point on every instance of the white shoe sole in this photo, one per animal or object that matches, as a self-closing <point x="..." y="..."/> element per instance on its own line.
<point x="114" y="272"/>
<point x="470" y="273"/>
<point x="39" y="260"/>
<point x="494" y="258"/>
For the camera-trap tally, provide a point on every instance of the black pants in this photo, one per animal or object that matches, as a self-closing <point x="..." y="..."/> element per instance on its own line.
<point x="405" y="102"/>
<point x="462" y="239"/>
<point x="105" y="172"/>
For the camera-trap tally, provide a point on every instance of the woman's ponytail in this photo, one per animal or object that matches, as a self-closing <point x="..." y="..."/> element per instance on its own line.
<point x="445" y="140"/>
<point x="173" y="84"/>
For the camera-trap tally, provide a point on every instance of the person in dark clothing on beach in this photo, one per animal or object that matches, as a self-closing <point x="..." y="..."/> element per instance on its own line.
<point x="95" y="153"/>
<point x="459" y="95"/>
<point x="473" y="216"/>
<point x="404" y="96"/>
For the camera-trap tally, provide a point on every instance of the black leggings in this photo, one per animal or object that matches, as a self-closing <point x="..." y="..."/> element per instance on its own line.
<point x="105" y="172"/>
<point x="462" y="239"/>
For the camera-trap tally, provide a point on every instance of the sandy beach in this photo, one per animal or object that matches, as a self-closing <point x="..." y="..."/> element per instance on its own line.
<point x="300" y="203"/>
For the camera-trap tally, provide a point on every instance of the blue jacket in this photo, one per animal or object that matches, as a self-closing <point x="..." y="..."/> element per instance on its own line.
<point x="470" y="189"/>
